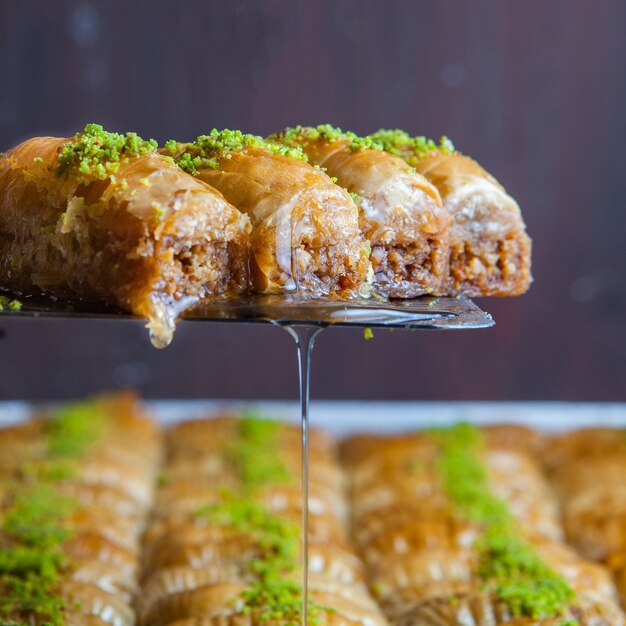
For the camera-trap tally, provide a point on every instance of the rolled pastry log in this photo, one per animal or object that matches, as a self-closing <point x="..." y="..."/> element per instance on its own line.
<point x="125" y="227"/>
<point x="489" y="248"/>
<point x="81" y="489"/>
<point x="587" y="469"/>
<point x="200" y="568"/>
<point x="401" y="211"/>
<point x="422" y="548"/>
<point x="305" y="234"/>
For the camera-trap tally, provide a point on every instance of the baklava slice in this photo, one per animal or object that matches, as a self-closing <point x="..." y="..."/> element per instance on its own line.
<point x="400" y="211"/>
<point x="101" y="217"/>
<point x="489" y="247"/>
<point x="455" y="529"/>
<point x="224" y="546"/>
<point x="73" y="507"/>
<point x="305" y="235"/>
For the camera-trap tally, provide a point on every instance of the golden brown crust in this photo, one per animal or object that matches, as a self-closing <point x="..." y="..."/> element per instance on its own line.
<point x="395" y="482"/>
<point x="587" y="469"/>
<point x="150" y="246"/>
<point x="110" y="489"/>
<point x="401" y="215"/>
<point x="196" y="570"/>
<point x="584" y="443"/>
<point x="489" y="248"/>
<point x="420" y="554"/>
<point x="305" y="228"/>
<point x="471" y="607"/>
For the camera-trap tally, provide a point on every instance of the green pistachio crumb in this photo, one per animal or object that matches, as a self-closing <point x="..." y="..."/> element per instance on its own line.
<point x="356" y="198"/>
<point x="32" y="562"/>
<point x="300" y="134"/>
<point x="159" y="210"/>
<point x="37" y="160"/>
<point x="209" y="150"/>
<point x="400" y="143"/>
<point x="73" y="428"/>
<point x="163" y="479"/>
<point x="508" y="565"/>
<point x="173" y="147"/>
<point x="252" y="453"/>
<point x="11" y="305"/>
<point x="368" y="333"/>
<point x="96" y="154"/>
<point x="272" y="593"/>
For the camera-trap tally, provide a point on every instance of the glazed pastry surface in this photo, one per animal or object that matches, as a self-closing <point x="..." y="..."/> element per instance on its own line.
<point x="489" y="251"/>
<point x="401" y="212"/>
<point x="438" y="518"/>
<point x="305" y="233"/>
<point x="224" y="543"/>
<point x="75" y="493"/>
<point x="148" y="238"/>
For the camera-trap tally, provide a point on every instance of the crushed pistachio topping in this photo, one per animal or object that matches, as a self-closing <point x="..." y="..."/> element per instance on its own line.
<point x="33" y="562"/>
<point x="33" y="523"/>
<point x="209" y="150"/>
<point x="253" y="453"/>
<point x="299" y="134"/>
<point x="356" y="198"/>
<point x="96" y="154"/>
<point x="73" y="428"/>
<point x="6" y="304"/>
<point x="163" y="479"/>
<point x="400" y="143"/>
<point x="368" y="333"/>
<point x="508" y="565"/>
<point x="269" y="593"/>
<point x="159" y="210"/>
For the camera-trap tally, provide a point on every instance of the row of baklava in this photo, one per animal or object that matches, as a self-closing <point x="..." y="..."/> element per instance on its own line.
<point x="224" y="544"/>
<point x="109" y="218"/>
<point x="75" y="491"/>
<point x="459" y="526"/>
<point x="588" y="470"/>
<point x="454" y="526"/>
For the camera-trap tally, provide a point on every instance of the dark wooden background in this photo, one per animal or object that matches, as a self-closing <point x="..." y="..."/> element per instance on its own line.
<point x="535" y="90"/>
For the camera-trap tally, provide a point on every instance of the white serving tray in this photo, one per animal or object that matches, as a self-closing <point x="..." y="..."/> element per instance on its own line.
<point x="345" y="417"/>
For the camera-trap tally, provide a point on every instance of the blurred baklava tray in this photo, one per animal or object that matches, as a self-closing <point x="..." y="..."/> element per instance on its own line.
<point x="117" y="512"/>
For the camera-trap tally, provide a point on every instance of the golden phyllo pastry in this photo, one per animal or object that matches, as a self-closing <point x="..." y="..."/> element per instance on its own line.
<point x="489" y="248"/>
<point x="102" y="217"/>
<point x="73" y="505"/>
<point x="400" y="212"/>
<point x="587" y="468"/>
<point x="457" y="530"/>
<point x="224" y="546"/>
<point x="305" y="233"/>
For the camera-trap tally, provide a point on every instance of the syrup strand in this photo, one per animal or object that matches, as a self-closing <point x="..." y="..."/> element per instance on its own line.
<point x="304" y="337"/>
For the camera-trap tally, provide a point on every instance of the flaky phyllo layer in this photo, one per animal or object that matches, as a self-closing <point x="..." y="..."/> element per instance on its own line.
<point x="76" y="490"/>
<point x="459" y="526"/>
<point x="103" y="217"/>
<point x="102" y="522"/>
<point x="313" y="211"/>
